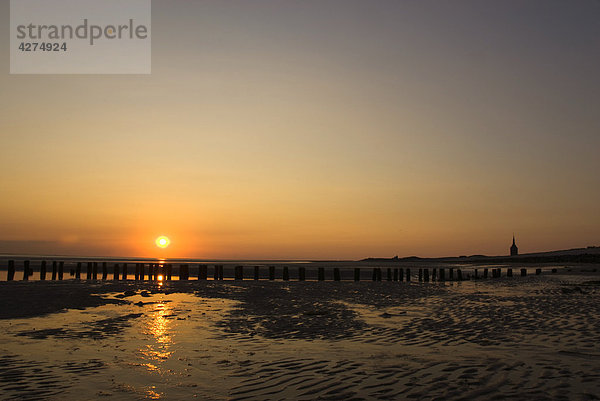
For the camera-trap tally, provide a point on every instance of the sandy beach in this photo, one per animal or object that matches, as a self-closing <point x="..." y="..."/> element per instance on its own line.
<point x="520" y="338"/>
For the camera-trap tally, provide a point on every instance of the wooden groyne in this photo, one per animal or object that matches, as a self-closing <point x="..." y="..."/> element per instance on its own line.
<point x="164" y="272"/>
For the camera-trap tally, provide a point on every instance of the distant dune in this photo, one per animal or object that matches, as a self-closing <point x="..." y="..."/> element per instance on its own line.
<point x="591" y="254"/>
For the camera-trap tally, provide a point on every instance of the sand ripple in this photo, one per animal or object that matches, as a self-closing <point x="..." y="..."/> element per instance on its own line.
<point x="21" y="379"/>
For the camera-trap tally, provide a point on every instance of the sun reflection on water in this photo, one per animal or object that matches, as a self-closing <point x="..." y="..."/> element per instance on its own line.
<point x="152" y="395"/>
<point x="159" y="328"/>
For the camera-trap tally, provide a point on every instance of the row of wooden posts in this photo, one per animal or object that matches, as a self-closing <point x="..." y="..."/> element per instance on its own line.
<point x="159" y="272"/>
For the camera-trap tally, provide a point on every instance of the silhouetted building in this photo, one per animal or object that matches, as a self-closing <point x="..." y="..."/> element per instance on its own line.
<point x="514" y="251"/>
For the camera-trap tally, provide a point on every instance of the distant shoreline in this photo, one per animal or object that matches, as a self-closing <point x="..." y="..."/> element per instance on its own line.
<point x="577" y="255"/>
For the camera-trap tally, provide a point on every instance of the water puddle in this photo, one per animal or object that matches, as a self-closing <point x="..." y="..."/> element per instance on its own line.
<point x="118" y="351"/>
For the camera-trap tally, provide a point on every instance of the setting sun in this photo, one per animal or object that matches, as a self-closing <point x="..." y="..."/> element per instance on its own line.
<point x="162" y="242"/>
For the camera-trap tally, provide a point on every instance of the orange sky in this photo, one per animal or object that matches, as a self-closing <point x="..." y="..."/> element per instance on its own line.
<point x="329" y="130"/>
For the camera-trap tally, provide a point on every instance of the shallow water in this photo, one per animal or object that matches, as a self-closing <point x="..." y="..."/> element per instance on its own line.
<point x="536" y="338"/>
<point x="124" y="351"/>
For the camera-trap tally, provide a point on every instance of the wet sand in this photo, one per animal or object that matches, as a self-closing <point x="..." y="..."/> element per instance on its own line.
<point x="522" y="338"/>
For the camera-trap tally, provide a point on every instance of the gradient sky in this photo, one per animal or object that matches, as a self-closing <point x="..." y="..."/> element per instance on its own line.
<point x="315" y="129"/>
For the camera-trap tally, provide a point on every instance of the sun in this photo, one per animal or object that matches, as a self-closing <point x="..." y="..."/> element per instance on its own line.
<point x="162" y="241"/>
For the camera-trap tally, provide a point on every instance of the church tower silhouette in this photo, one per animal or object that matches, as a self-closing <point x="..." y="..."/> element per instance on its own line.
<point x="514" y="250"/>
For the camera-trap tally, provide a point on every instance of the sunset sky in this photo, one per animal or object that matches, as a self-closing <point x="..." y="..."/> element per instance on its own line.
<point x="315" y="129"/>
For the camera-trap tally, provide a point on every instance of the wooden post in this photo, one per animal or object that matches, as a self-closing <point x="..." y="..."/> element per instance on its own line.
<point x="54" y="270"/>
<point x="336" y="274"/>
<point x="271" y="273"/>
<point x="442" y="274"/>
<point x="523" y="272"/>
<point x="116" y="272"/>
<point x="475" y="273"/>
<point x="216" y="272"/>
<point x="11" y="271"/>
<point x="451" y="274"/>
<point x="78" y="271"/>
<point x="104" y="271"/>
<point x="538" y="272"/>
<point x="321" y="273"/>
<point x="26" y="270"/>
<point x="203" y="272"/>
<point x="43" y="270"/>
<point x="239" y="273"/>
<point x="124" y="272"/>
<point x="136" y="272"/>
<point x="186" y="272"/>
<point x="434" y="274"/>
<point x="357" y="274"/>
<point x="459" y="274"/>
<point x="88" y="271"/>
<point x="389" y="274"/>
<point x="379" y="274"/>
<point x="420" y="275"/>
<point x="509" y="272"/>
<point x="374" y="274"/>
<point x="61" y="269"/>
<point x="168" y="271"/>
<point x="395" y="274"/>
<point x="302" y="273"/>
<point x="256" y="273"/>
<point x="221" y="272"/>
<point x="401" y="274"/>
<point x="426" y="275"/>
<point x="407" y="274"/>
<point x="485" y="273"/>
<point x="142" y="271"/>
<point x="286" y="273"/>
